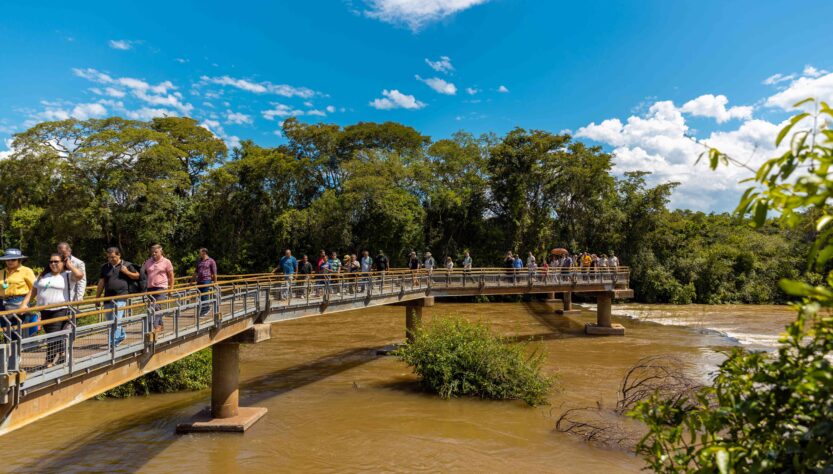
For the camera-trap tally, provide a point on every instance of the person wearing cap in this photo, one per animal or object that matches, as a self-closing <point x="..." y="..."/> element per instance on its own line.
<point x="16" y="281"/>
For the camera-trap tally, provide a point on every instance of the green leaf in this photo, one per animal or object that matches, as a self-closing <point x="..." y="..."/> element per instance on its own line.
<point x="823" y="221"/>
<point x="784" y="131"/>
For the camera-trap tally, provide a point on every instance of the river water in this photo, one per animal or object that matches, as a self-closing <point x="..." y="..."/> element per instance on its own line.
<point x="335" y="406"/>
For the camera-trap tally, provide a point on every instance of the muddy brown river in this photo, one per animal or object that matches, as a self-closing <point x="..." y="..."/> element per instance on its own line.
<point x="335" y="406"/>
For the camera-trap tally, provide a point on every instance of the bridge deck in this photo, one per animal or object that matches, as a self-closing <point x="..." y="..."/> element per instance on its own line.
<point x="85" y="362"/>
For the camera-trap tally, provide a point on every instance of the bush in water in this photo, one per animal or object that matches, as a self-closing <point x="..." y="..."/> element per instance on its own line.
<point x="455" y="357"/>
<point x="191" y="373"/>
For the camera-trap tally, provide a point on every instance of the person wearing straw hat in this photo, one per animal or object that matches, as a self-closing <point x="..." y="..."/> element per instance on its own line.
<point x="16" y="280"/>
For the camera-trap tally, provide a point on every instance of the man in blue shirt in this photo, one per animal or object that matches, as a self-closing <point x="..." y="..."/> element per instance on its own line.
<point x="289" y="266"/>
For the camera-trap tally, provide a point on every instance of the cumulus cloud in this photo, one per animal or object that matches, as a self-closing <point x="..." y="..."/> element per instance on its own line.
<point x="162" y="94"/>
<point x="502" y="89"/>
<point x="264" y="87"/>
<point x="238" y="118"/>
<point x="415" y="14"/>
<point x="331" y="109"/>
<point x="714" y="106"/>
<point x="660" y="142"/>
<point x="818" y="87"/>
<point x="280" y="110"/>
<point x="442" y="65"/>
<point x="439" y="85"/>
<point x="8" y="151"/>
<point x="60" y="110"/>
<point x="472" y="90"/>
<point x="393" y="99"/>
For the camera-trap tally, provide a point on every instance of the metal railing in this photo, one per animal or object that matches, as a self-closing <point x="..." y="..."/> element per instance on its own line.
<point x="92" y="337"/>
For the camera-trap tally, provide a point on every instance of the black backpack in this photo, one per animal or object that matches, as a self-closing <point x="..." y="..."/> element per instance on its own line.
<point x="140" y="285"/>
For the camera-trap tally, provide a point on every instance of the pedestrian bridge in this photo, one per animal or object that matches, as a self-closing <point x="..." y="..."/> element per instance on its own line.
<point x="234" y="310"/>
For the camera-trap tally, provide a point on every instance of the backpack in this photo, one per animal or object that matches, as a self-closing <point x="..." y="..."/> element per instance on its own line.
<point x="140" y="285"/>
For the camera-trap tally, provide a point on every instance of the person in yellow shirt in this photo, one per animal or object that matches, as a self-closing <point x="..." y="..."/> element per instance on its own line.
<point x="16" y="280"/>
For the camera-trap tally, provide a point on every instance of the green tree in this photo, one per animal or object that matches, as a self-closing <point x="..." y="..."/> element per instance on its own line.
<point x="766" y="412"/>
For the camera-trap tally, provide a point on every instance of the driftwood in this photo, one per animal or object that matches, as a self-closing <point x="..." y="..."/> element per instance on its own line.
<point x="666" y="376"/>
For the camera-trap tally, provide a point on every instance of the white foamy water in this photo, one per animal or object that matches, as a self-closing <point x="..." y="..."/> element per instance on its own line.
<point x="754" y="326"/>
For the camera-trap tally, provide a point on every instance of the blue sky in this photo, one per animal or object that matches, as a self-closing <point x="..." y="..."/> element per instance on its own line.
<point x="635" y="77"/>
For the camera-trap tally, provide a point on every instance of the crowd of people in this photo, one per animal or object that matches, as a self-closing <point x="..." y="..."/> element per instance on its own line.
<point x="64" y="280"/>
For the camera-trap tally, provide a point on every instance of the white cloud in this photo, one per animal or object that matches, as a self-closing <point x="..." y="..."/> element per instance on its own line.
<point x="8" y="151"/>
<point x="238" y="118"/>
<point x="280" y="110"/>
<point x="714" y="106"/>
<point x="441" y="65"/>
<point x="181" y="60"/>
<point x="260" y="87"/>
<point x="331" y="109"/>
<point x="439" y="85"/>
<point x="820" y="87"/>
<point x="113" y="92"/>
<point x="215" y="128"/>
<point x="316" y="112"/>
<point x="162" y="94"/>
<point x="660" y="142"/>
<point x="122" y="45"/>
<point x="776" y="78"/>
<point x="87" y="111"/>
<point x="393" y="99"/>
<point x="502" y="89"/>
<point x="811" y="71"/>
<point x="472" y="90"/>
<point x="416" y="13"/>
<point x="149" y="113"/>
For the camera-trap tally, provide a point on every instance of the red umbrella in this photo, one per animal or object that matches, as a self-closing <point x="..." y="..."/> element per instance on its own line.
<point x="559" y="251"/>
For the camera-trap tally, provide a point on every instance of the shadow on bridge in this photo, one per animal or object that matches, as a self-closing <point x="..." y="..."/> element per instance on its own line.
<point x="128" y="435"/>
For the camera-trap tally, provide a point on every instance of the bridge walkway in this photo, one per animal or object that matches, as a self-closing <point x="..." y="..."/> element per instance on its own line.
<point x="195" y="317"/>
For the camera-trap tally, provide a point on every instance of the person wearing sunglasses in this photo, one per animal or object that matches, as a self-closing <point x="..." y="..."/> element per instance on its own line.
<point x="54" y="287"/>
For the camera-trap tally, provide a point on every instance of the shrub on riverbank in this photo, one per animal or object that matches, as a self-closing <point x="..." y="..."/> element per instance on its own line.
<point x="191" y="373"/>
<point x="455" y="357"/>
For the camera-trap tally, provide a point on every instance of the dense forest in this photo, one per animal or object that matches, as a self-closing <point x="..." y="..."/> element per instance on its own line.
<point x="373" y="186"/>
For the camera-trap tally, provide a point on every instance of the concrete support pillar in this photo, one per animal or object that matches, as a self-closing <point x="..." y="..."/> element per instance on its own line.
<point x="567" y="298"/>
<point x="225" y="370"/>
<point x="226" y="414"/>
<point x="603" y="326"/>
<point x="603" y="309"/>
<point x="413" y="318"/>
<point x="413" y="315"/>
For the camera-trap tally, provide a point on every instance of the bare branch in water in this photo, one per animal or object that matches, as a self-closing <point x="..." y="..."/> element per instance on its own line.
<point x="663" y="375"/>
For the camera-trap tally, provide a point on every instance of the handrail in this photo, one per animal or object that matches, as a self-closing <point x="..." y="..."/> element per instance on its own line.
<point x="280" y="278"/>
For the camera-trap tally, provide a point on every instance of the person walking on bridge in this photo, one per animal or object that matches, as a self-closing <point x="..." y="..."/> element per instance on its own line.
<point x="54" y="287"/>
<point x="381" y="263"/>
<point x="466" y="265"/>
<point x="17" y="280"/>
<point x="413" y="265"/>
<point x="77" y="288"/>
<point x="114" y="280"/>
<point x="304" y="273"/>
<point x="517" y="265"/>
<point x="366" y="267"/>
<point x="160" y="277"/>
<point x="288" y="265"/>
<point x="206" y="274"/>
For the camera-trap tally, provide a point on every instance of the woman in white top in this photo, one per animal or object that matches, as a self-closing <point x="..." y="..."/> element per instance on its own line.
<point x="52" y="287"/>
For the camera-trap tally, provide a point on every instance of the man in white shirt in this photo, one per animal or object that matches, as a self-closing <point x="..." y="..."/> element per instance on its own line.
<point x="76" y="288"/>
